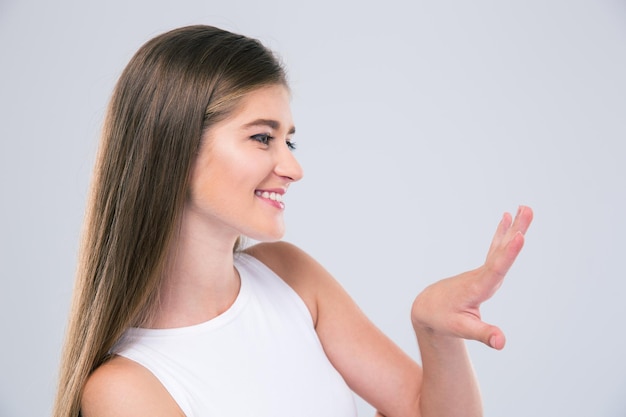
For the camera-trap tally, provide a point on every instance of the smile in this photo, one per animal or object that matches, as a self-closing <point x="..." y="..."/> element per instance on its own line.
<point x="270" y="195"/>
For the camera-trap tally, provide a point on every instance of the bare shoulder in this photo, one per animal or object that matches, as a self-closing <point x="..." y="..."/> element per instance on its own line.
<point x="355" y="347"/>
<point x="297" y="268"/>
<point x="121" y="387"/>
<point x="285" y="259"/>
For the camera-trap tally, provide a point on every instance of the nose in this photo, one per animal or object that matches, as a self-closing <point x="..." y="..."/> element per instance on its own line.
<point x="287" y="166"/>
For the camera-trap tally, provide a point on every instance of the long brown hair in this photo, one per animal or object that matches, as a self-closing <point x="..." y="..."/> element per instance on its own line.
<point x="175" y="87"/>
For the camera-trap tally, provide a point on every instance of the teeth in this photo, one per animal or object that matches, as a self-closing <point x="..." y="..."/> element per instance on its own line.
<point x="270" y="195"/>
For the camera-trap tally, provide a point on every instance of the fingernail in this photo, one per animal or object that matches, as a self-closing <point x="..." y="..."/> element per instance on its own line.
<point x="492" y="341"/>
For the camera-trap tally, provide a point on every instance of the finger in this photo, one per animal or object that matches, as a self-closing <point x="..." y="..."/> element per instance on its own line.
<point x="520" y="224"/>
<point x="498" y="237"/>
<point x="523" y="218"/>
<point x="497" y="340"/>
<point x="501" y="262"/>
<point x="486" y="333"/>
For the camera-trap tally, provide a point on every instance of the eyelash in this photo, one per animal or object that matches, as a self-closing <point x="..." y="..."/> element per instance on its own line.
<point x="265" y="139"/>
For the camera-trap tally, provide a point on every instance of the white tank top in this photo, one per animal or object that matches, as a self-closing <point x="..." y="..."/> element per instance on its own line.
<point x="261" y="357"/>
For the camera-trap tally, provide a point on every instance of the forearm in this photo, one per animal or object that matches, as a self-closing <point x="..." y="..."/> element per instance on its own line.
<point x="447" y="313"/>
<point x="449" y="386"/>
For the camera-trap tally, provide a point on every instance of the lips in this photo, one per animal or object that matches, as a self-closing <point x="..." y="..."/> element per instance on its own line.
<point x="273" y="197"/>
<point x="270" y="195"/>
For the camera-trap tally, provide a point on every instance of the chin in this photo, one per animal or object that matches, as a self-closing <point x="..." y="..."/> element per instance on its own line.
<point x="271" y="238"/>
<point x="268" y="235"/>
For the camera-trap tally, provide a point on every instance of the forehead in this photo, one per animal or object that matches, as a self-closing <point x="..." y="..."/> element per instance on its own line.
<point x="267" y="103"/>
<point x="266" y="107"/>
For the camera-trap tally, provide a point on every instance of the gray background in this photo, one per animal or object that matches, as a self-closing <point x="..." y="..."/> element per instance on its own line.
<point x="419" y="123"/>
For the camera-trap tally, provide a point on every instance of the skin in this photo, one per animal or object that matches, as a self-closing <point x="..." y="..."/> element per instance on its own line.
<point x="200" y="287"/>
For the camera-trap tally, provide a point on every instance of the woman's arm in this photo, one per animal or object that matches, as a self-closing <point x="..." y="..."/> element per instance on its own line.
<point x="443" y="315"/>
<point x="448" y="311"/>
<point x="123" y="388"/>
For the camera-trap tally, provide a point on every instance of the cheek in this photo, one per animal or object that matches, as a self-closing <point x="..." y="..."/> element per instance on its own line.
<point x="229" y="176"/>
<point x="208" y="185"/>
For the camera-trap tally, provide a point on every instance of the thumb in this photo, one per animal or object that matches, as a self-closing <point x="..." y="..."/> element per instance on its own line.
<point x="496" y="339"/>
<point x="486" y="333"/>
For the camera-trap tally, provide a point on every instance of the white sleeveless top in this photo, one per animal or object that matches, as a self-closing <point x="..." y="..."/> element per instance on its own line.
<point x="261" y="357"/>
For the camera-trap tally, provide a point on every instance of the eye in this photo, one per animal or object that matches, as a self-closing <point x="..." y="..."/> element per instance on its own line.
<point x="291" y="145"/>
<point x="263" y="138"/>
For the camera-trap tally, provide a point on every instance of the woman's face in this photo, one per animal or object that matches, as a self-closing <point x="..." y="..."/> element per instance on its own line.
<point x="244" y="167"/>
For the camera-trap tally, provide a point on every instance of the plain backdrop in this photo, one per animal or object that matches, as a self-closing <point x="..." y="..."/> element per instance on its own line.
<point x="419" y="123"/>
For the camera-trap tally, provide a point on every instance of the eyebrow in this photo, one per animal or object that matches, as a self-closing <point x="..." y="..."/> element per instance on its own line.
<point x="273" y="124"/>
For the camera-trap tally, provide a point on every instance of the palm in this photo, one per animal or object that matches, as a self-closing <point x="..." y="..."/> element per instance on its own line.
<point x="452" y="306"/>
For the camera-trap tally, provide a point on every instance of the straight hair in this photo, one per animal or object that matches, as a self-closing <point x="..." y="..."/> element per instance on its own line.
<point x="174" y="89"/>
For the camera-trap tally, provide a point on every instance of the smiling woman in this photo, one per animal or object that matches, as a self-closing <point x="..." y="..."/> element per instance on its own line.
<point x="253" y="148"/>
<point x="171" y="317"/>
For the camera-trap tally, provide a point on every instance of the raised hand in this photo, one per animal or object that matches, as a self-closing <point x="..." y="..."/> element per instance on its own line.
<point x="451" y="307"/>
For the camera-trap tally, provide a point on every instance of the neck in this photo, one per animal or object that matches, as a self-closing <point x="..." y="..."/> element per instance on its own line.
<point x="201" y="281"/>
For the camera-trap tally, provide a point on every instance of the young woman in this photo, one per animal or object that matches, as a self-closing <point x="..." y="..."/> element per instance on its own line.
<point x="171" y="317"/>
